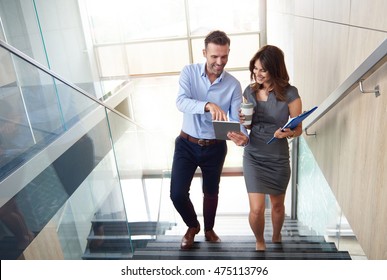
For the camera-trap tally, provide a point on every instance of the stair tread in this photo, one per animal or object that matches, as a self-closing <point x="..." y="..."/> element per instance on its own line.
<point x="108" y="237"/>
<point x="200" y="254"/>
<point x="163" y="243"/>
<point x="242" y="246"/>
<point x="107" y="255"/>
<point x="247" y="238"/>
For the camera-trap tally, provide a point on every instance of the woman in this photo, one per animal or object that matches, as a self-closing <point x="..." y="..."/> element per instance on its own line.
<point x="266" y="166"/>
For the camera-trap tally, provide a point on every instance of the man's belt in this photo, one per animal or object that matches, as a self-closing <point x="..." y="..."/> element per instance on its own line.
<point x="200" y="142"/>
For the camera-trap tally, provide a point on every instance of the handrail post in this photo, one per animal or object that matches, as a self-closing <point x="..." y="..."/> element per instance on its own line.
<point x="376" y="90"/>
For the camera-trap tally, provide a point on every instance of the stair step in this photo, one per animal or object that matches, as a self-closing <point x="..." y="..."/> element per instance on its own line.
<point x="109" y="243"/>
<point x="161" y="241"/>
<point x="241" y="248"/>
<point x="245" y="255"/>
<point x="109" y="227"/>
<point x="284" y="246"/>
<point x="119" y="227"/>
<point x="122" y="255"/>
<point x="149" y="228"/>
<point x="248" y="238"/>
<point x="109" y="237"/>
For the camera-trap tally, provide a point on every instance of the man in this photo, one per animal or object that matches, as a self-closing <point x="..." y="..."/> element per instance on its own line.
<point x="206" y="93"/>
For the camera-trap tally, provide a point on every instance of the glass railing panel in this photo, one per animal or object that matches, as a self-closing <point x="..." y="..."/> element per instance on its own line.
<point x="96" y="211"/>
<point x="25" y="215"/>
<point x="35" y="110"/>
<point x="79" y="194"/>
<point x="66" y="165"/>
<point x="130" y="154"/>
<point x="129" y="162"/>
<point x="16" y="136"/>
<point x="141" y="156"/>
<point x="317" y="206"/>
<point x="73" y="105"/>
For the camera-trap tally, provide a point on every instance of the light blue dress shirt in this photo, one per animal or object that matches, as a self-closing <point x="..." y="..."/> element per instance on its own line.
<point x="195" y="90"/>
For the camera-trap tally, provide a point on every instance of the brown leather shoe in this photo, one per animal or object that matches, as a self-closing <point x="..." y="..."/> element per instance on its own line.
<point x="188" y="238"/>
<point x="211" y="236"/>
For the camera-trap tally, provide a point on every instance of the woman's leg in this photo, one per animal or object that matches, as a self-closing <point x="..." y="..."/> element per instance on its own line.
<point x="277" y="215"/>
<point x="257" y="218"/>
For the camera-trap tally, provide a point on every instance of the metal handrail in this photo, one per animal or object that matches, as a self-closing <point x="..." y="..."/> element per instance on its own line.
<point x="374" y="61"/>
<point x="370" y="65"/>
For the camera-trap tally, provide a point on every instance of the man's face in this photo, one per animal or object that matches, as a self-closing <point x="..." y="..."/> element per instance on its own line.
<point x="217" y="57"/>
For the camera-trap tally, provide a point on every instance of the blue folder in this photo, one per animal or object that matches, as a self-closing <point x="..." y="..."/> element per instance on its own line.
<point x="293" y="122"/>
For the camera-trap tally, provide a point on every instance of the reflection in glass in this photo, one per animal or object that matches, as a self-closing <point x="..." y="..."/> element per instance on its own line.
<point x="35" y="110"/>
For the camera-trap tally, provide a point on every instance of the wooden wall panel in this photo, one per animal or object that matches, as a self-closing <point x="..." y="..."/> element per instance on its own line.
<point x="351" y="145"/>
<point x="45" y="246"/>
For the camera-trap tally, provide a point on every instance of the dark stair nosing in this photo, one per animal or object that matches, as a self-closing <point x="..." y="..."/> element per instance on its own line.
<point x="247" y="255"/>
<point x="245" y="245"/>
<point x="108" y="237"/>
<point x="123" y="255"/>
<point x="247" y="238"/>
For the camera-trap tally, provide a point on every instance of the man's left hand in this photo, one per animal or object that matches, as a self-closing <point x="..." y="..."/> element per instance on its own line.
<point x="239" y="138"/>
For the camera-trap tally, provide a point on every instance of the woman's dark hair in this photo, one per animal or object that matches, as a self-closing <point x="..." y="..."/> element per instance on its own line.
<point x="217" y="37"/>
<point x="273" y="61"/>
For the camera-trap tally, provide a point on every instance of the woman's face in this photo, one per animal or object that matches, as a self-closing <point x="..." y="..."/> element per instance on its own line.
<point x="261" y="75"/>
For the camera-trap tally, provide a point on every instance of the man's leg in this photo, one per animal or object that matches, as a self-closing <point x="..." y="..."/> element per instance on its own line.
<point x="183" y="170"/>
<point x="211" y="165"/>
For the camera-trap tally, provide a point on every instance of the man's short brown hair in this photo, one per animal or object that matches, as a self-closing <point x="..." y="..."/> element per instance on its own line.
<point x="217" y="37"/>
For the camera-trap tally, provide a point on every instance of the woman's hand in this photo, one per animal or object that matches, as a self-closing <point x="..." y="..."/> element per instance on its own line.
<point x="286" y="133"/>
<point x="242" y="119"/>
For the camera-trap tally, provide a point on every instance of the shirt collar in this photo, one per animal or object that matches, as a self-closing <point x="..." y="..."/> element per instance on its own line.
<point x="204" y="74"/>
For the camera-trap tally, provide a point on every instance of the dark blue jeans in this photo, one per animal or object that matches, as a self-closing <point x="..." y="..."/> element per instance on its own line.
<point x="187" y="157"/>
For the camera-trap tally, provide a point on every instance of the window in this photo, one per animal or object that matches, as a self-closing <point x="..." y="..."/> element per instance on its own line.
<point x="153" y="37"/>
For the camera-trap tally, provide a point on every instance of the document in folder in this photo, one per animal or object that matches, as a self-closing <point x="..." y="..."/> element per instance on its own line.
<point x="293" y="122"/>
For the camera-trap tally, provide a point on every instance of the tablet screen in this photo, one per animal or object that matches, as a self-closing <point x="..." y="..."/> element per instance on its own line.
<point x="223" y="127"/>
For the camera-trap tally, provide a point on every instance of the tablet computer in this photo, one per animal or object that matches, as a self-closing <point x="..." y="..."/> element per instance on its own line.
<point x="223" y="127"/>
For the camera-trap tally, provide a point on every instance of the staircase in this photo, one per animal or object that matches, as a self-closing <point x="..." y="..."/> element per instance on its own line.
<point x="298" y="243"/>
<point x="110" y="239"/>
<point x="242" y="248"/>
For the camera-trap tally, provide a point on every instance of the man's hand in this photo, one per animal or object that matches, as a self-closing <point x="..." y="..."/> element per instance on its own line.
<point x="238" y="138"/>
<point x="216" y="112"/>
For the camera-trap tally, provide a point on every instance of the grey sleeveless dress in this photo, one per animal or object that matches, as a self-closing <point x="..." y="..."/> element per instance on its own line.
<point x="266" y="167"/>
